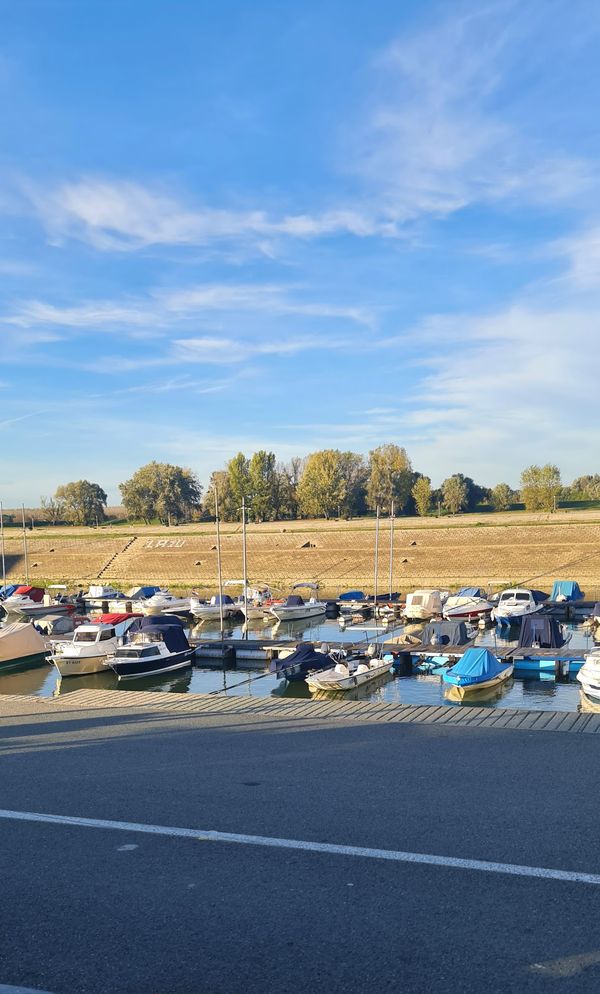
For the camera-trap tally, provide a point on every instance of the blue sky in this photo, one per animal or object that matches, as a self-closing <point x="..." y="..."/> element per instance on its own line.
<point x="293" y="226"/>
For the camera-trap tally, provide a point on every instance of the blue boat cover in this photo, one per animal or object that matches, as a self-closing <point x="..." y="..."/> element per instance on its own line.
<point x="539" y="596"/>
<point x="223" y="599"/>
<point x="353" y="595"/>
<point x="168" y="626"/>
<point x="567" y="590"/>
<point x="542" y="631"/>
<point x="470" y="592"/>
<point x="8" y="590"/>
<point x="294" y="600"/>
<point x="445" y="633"/>
<point x="305" y="658"/>
<point x="476" y="666"/>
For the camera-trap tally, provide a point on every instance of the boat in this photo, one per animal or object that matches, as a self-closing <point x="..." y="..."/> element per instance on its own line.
<point x="476" y="670"/>
<point x="566" y="591"/>
<point x="157" y="644"/>
<point x="255" y="605"/>
<point x="164" y="602"/>
<point x="589" y="676"/>
<point x="98" y="596"/>
<point x="91" y="645"/>
<point x="540" y="639"/>
<point x="424" y="604"/>
<point x="21" y="646"/>
<point x="219" y="606"/>
<point x="34" y="602"/>
<point x="438" y="643"/>
<point x="349" y="673"/>
<point x="469" y="604"/>
<point x="516" y="603"/>
<point x="352" y="602"/>
<point x="295" y="608"/>
<point x="305" y="658"/>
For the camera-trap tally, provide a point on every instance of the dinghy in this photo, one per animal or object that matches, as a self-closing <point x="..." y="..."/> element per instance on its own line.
<point x="347" y="674"/>
<point x="477" y="669"/>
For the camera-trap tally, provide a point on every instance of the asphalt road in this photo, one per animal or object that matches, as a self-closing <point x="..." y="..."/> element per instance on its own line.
<point x="96" y="910"/>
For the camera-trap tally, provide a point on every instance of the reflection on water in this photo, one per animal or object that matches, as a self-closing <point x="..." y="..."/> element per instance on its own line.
<point x="254" y="680"/>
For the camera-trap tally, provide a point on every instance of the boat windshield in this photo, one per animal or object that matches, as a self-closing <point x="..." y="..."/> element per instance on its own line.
<point x="136" y="652"/>
<point x="521" y="597"/>
<point x="416" y="599"/>
<point x="85" y="636"/>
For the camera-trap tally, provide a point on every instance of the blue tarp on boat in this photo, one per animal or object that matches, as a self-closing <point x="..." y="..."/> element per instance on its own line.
<point x="470" y="592"/>
<point x="476" y="666"/>
<point x="301" y="661"/>
<point x="223" y="599"/>
<point x="539" y="596"/>
<point x="541" y="632"/>
<point x="8" y="590"/>
<point x="566" y="590"/>
<point x="353" y="595"/>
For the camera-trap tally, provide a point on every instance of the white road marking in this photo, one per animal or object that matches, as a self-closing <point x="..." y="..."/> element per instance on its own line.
<point x="363" y="852"/>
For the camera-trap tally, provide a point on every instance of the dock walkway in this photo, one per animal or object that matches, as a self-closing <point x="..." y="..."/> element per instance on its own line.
<point x="207" y="705"/>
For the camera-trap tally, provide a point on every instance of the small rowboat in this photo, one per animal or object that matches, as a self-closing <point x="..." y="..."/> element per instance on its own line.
<point x="477" y="669"/>
<point x="347" y="675"/>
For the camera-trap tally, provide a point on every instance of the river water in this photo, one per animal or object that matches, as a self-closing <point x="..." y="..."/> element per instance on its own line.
<point x="531" y="692"/>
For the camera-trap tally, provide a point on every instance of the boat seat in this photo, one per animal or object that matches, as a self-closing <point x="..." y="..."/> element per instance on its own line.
<point x="342" y="669"/>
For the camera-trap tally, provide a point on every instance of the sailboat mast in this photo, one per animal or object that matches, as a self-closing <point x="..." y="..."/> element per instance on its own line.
<point x="376" y="559"/>
<point x="2" y="546"/>
<point x="219" y="573"/>
<point x="25" y="545"/>
<point x="245" y="564"/>
<point x="391" y="550"/>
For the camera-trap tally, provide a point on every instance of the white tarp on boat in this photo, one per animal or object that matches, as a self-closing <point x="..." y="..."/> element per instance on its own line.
<point x="19" y="640"/>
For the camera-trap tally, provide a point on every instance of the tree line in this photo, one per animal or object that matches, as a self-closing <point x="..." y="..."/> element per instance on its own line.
<point x="325" y="484"/>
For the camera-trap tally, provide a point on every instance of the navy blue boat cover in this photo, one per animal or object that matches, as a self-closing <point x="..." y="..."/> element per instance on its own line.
<point x="470" y="592"/>
<point x="541" y="630"/>
<point x="169" y="627"/>
<point x="223" y="599"/>
<point x="353" y="595"/>
<point x="294" y="600"/>
<point x="539" y="596"/>
<point x="567" y="590"/>
<point x="445" y="632"/>
<point x="476" y="666"/>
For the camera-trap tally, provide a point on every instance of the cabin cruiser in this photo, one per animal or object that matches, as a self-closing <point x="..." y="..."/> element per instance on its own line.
<point x="219" y="606"/>
<point x="589" y="675"/>
<point x="295" y="608"/>
<point x="470" y="603"/>
<point x="33" y="602"/>
<point x="424" y="604"/>
<point x="540" y="639"/>
<point x="516" y="603"/>
<point x="90" y="646"/>
<point x="163" y="602"/>
<point x="157" y="644"/>
<point x="21" y="646"/>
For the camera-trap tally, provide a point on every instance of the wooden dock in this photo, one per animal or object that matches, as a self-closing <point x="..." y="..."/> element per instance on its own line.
<point x="271" y="708"/>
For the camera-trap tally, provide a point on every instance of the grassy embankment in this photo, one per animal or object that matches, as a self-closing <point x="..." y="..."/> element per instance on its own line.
<point x="489" y="549"/>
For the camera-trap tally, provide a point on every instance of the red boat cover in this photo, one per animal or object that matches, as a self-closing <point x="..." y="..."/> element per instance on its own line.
<point x="36" y="593"/>
<point x="114" y="619"/>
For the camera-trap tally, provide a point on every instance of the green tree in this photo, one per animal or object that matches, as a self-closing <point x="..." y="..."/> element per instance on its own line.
<point x="540" y="487"/>
<point x="53" y="510"/>
<point x="228" y="507"/>
<point x="587" y="487"/>
<point x="239" y="478"/>
<point x="160" y="490"/>
<point x="82" y="502"/>
<point x="421" y="492"/>
<point x="390" y="478"/>
<point x="355" y="473"/>
<point x="262" y="480"/>
<point x="285" y="501"/>
<point x="322" y="488"/>
<point x="455" y="493"/>
<point x="501" y="497"/>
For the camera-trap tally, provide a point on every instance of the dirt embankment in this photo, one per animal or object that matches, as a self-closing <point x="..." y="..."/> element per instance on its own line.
<point x="491" y="549"/>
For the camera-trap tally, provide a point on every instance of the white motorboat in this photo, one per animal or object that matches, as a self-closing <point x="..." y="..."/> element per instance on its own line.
<point x="348" y="674"/>
<point x="164" y="602"/>
<point x="157" y="645"/>
<point x="33" y="602"/>
<point x="255" y="605"/>
<point x="425" y="604"/>
<point x="589" y="675"/>
<point x="295" y="608"/>
<point x="516" y="603"/>
<point x="220" y="605"/>
<point x="87" y="651"/>
<point x="98" y="596"/>
<point x="469" y="604"/>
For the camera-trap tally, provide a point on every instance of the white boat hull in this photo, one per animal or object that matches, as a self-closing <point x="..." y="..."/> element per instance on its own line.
<point x="79" y="665"/>
<point x="299" y="613"/>
<point x="589" y="676"/>
<point x="211" y="612"/>
<point x="331" y="680"/>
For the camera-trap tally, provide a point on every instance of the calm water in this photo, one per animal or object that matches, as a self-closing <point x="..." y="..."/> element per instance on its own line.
<point x="532" y="693"/>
